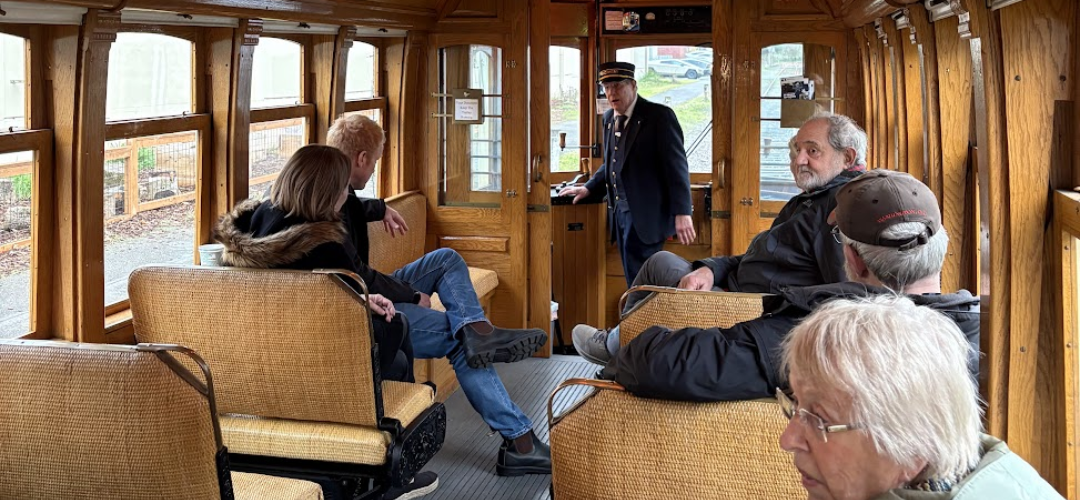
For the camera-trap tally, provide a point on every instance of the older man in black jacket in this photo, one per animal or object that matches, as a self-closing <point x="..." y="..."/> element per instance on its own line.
<point x="827" y="152"/>
<point x="889" y="226"/>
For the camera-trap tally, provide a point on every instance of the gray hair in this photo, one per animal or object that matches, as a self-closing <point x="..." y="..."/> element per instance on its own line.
<point x="844" y="133"/>
<point x="897" y="268"/>
<point x="904" y="369"/>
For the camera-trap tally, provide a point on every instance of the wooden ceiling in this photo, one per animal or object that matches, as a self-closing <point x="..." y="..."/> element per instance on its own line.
<point x="425" y="14"/>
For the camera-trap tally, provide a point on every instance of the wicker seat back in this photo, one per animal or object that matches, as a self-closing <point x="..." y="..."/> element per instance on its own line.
<point x="386" y="255"/>
<point x="91" y="421"/>
<point x="616" y="445"/>
<point x="676" y="309"/>
<point x="282" y="344"/>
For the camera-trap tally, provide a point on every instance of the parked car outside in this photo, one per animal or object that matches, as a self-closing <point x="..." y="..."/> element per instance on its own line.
<point x="674" y="67"/>
<point x="704" y="66"/>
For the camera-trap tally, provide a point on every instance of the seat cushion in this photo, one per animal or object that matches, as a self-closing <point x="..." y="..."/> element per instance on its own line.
<point x="262" y="487"/>
<point x="326" y="441"/>
<point x="484" y="282"/>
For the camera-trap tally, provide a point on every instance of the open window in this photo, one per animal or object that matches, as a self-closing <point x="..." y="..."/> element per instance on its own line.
<point x="363" y="95"/>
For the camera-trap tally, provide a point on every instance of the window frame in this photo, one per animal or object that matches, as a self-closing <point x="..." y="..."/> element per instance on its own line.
<point x="585" y="118"/>
<point x="37" y="136"/>
<point x="378" y="102"/>
<point x="617" y="43"/>
<point x="118" y="314"/>
<point x="305" y="109"/>
<point x="1066" y="232"/>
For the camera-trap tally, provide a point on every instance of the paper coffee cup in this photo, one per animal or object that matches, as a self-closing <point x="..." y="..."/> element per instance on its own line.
<point x="210" y="254"/>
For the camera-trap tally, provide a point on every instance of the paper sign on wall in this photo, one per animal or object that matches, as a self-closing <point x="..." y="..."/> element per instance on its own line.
<point x="468" y="106"/>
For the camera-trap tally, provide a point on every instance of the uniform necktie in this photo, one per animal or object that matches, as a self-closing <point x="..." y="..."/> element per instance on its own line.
<point x="620" y="123"/>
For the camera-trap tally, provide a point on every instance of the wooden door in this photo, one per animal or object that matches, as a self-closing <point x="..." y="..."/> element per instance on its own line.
<point x="762" y="180"/>
<point x="477" y="191"/>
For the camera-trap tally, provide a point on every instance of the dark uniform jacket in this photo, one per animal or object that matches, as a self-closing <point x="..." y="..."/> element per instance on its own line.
<point x="651" y="167"/>
<point x="797" y="250"/>
<point x="742" y="362"/>
<point x="258" y="234"/>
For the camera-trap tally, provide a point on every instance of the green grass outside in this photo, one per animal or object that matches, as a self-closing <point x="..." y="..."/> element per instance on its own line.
<point x="567" y="110"/>
<point x="568" y="163"/>
<point x="652" y="84"/>
<point x="696" y="110"/>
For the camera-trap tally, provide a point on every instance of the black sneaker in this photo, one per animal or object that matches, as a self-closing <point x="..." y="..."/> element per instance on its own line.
<point x="421" y="484"/>
<point x="502" y="345"/>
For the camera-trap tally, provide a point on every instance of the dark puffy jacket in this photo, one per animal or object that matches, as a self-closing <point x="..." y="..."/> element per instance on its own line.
<point x="797" y="250"/>
<point x="742" y="362"/>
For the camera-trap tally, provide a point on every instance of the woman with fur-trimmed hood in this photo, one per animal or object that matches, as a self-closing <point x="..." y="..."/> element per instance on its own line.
<point x="299" y="227"/>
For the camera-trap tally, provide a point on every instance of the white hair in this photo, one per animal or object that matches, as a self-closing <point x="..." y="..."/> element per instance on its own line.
<point x="897" y="268"/>
<point x="904" y="368"/>
<point x="844" y="133"/>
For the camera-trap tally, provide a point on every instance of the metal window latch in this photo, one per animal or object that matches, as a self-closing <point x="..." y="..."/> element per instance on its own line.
<point x="746" y="201"/>
<point x="511" y="193"/>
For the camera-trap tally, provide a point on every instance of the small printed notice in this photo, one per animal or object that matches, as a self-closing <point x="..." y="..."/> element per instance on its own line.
<point x="797" y="87"/>
<point x="613" y="20"/>
<point x="468" y="107"/>
<point x="466" y="110"/>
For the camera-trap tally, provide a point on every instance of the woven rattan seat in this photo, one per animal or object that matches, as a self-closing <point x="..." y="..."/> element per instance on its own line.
<point x="612" y="444"/>
<point x="128" y="422"/>
<point x="292" y="357"/>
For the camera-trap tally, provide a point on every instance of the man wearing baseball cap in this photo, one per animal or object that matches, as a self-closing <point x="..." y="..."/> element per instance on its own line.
<point x="645" y="176"/>
<point x="889" y="224"/>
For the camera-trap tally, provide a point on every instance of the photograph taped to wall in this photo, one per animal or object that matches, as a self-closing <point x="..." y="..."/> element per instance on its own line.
<point x="797" y="87"/>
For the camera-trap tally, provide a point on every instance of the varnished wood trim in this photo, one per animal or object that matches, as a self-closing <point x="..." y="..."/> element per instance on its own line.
<point x="156" y="126"/>
<point x="25" y="140"/>
<point x="1067" y="230"/>
<point x="474" y="243"/>
<point x="366" y="104"/>
<point x="282" y="113"/>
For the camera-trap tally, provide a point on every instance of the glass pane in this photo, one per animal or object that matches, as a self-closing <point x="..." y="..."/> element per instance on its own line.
<point x="275" y="73"/>
<point x="16" y="191"/>
<point x="372" y="188"/>
<point x="12" y="82"/>
<point x="270" y="146"/>
<point x="565" y="108"/>
<point x="149" y="75"/>
<point x="677" y="76"/>
<point x="150" y="189"/>
<point x="360" y="72"/>
<point x="812" y="61"/>
<point x="470" y="156"/>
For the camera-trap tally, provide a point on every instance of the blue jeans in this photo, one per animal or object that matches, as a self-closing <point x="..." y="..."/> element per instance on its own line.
<point x="434" y="335"/>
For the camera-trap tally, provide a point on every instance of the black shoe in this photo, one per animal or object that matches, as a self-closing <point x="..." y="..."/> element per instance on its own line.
<point x="502" y="345"/>
<point x="421" y="484"/>
<point x="513" y="463"/>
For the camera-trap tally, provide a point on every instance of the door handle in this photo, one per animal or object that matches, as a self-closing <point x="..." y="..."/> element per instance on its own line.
<point x="537" y="175"/>
<point x="721" y="167"/>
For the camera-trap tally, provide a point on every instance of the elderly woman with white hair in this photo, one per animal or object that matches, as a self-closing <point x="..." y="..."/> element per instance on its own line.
<point x="883" y="407"/>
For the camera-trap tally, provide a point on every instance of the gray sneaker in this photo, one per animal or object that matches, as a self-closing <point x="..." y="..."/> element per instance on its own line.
<point x="591" y="344"/>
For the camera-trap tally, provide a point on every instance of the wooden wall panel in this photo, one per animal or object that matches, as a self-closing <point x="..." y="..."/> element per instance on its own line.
<point x="1035" y="52"/>
<point x="896" y="96"/>
<point x="231" y="52"/>
<point x="539" y="181"/>
<point x="881" y="130"/>
<point x="913" y="102"/>
<point x="954" y="81"/>
<point x="867" y="82"/>
<point x="723" y="82"/>
<point x="994" y="282"/>
<point x="926" y="40"/>
<point x="855" y="94"/>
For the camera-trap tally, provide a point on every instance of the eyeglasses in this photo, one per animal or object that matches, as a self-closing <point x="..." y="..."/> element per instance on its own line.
<point x="836" y="233"/>
<point x="808" y="419"/>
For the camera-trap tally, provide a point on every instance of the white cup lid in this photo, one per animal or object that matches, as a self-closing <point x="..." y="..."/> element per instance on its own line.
<point x="211" y="247"/>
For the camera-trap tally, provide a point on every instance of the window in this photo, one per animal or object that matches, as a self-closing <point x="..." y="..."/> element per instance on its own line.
<point x="283" y="125"/>
<point x="470" y="155"/>
<point x="565" y="91"/>
<point x="16" y="206"/>
<point x="360" y="72"/>
<point x="149" y="75"/>
<point x="150" y="181"/>
<point x="678" y="77"/>
<point x="12" y="83"/>
<point x="276" y="70"/>
<point x="19" y="165"/>
<point x="363" y="96"/>
<point x="779" y="61"/>
<point x="271" y="145"/>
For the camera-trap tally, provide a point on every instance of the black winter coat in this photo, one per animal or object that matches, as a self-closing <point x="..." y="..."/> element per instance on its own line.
<point x="742" y="362"/>
<point x="356" y="214"/>
<point x="260" y="235"/>
<point x="797" y="250"/>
